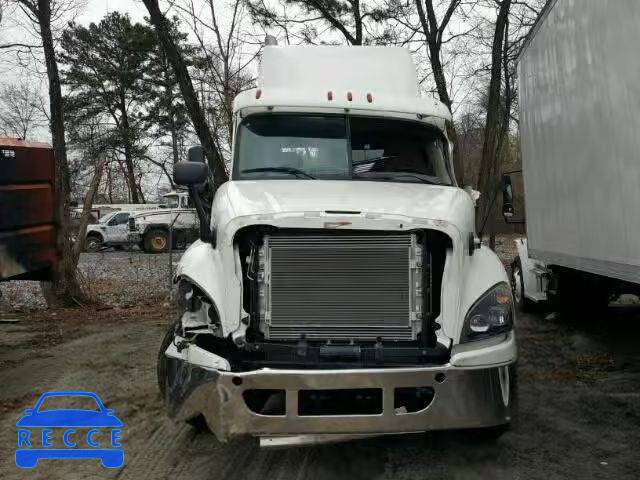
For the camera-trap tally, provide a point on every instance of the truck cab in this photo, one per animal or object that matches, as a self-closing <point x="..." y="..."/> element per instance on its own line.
<point x="338" y="289"/>
<point x="176" y="200"/>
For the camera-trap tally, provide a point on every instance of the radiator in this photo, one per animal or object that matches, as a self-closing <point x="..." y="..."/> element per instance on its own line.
<point x="342" y="287"/>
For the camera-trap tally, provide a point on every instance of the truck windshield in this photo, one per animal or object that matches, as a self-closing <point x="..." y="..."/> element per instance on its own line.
<point x="338" y="147"/>
<point x="171" y="201"/>
<point x="105" y="219"/>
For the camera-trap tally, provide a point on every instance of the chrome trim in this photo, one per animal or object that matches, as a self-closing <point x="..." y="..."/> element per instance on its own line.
<point x="466" y="398"/>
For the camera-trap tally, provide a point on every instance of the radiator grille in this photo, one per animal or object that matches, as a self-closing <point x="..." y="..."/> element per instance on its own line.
<point x="335" y="286"/>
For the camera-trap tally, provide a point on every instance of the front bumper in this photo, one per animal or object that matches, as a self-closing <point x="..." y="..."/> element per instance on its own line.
<point x="463" y="398"/>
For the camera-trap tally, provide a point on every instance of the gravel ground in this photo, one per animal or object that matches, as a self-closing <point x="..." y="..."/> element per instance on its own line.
<point x="103" y="274"/>
<point x="579" y="408"/>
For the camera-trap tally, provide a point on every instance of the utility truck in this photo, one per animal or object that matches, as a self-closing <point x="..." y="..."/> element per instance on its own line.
<point x="338" y="288"/>
<point x="171" y="226"/>
<point x="149" y="228"/>
<point x="579" y="124"/>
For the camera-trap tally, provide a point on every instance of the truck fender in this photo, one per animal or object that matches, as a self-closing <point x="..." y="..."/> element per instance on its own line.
<point x="483" y="270"/>
<point x="155" y="226"/>
<point x="202" y="265"/>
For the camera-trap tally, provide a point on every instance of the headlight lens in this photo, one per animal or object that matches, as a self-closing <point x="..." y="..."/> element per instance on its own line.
<point x="492" y="314"/>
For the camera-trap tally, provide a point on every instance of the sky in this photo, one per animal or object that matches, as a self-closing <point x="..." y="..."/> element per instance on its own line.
<point x="12" y="29"/>
<point x="97" y="9"/>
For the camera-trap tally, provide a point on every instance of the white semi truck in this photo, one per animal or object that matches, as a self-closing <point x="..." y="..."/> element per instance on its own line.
<point x="579" y="128"/>
<point x="338" y="288"/>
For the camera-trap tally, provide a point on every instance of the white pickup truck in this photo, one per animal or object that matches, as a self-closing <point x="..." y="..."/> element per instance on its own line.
<point x="338" y="289"/>
<point x="111" y="231"/>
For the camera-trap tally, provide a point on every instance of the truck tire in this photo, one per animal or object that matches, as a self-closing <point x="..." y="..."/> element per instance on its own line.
<point x="517" y="285"/>
<point x="94" y="242"/>
<point x="492" y="434"/>
<point x="198" y="422"/>
<point x="156" y="241"/>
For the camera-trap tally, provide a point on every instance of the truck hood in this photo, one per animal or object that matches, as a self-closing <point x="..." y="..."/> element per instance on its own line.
<point x="96" y="227"/>
<point x="264" y="197"/>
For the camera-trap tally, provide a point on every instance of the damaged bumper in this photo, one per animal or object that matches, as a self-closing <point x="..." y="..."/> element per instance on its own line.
<point x="461" y="397"/>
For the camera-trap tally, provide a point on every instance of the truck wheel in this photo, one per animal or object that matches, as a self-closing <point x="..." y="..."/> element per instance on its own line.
<point x="156" y="241"/>
<point x="517" y="285"/>
<point x="494" y="433"/>
<point x="93" y="243"/>
<point x="164" y="374"/>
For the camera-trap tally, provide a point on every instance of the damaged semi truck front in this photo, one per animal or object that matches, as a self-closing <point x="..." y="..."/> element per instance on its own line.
<point x="338" y="289"/>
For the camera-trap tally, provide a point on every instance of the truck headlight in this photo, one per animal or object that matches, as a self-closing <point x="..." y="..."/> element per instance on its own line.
<point x="491" y="314"/>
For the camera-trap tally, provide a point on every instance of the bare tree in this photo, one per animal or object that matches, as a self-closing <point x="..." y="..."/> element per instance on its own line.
<point x="489" y="164"/>
<point x="20" y="113"/>
<point x="354" y="21"/>
<point x="223" y="66"/>
<point x="434" y="34"/>
<point x="181" y="71"/>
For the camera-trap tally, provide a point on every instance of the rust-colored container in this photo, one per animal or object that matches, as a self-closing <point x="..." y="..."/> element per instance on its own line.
<point x="28" y="224"/>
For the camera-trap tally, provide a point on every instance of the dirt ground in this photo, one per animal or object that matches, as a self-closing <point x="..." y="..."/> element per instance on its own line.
<point x="579" y="407"/>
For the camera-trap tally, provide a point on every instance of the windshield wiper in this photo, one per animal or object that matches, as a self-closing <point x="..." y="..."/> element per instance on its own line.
<point x="374" y="159"/>
<point x="290" y="170"/>
<point x="398" y="174"/>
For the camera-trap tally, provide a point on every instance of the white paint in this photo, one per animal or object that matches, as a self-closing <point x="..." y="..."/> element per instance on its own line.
<point x="197" y="356"/>
<point x="302" y="76"/>
<point x="486" y="353"/>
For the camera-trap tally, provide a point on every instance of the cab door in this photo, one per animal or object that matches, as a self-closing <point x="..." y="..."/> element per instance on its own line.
<point x="117" y="228"/>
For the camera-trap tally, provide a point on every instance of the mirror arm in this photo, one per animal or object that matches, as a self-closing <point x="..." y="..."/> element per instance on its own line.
<point x="206" y="235"/>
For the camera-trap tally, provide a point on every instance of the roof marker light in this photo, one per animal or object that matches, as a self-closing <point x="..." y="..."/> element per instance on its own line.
<point x="369" y="98"/>
<point x="329" y="95"/>
<point x="349" y="96"/>
<point x="258" y="94"/>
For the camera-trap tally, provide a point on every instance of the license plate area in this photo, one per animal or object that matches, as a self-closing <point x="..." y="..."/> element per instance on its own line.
<point x="354" y="401"/>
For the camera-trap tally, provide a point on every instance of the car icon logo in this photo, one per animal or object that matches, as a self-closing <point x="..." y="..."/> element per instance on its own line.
<point x="69" y="433"/>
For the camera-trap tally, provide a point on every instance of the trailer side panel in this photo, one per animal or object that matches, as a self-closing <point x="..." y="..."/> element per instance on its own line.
<point x="580" y="133"/>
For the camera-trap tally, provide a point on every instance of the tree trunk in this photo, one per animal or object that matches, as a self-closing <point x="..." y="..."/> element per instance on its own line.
<point x="128" y="154"/>
<point x="86" y="207"/>
<point x="174" y="55"/>
<point x="65" y="290"/>
<point x="489" y="163"/>
<point x="168" y="84"/>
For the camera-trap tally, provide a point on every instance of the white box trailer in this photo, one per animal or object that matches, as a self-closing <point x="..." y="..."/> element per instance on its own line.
<point x="580" y="139"/>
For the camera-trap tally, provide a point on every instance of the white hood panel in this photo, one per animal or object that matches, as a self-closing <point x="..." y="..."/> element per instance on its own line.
<point x="272" y="197"/>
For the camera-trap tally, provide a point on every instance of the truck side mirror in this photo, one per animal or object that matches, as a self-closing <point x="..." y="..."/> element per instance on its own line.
<point x="190" y="173"/>
<point x="197" y="154"/>
<point x="194" y="174"/>
<point x="507" y="197"/>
